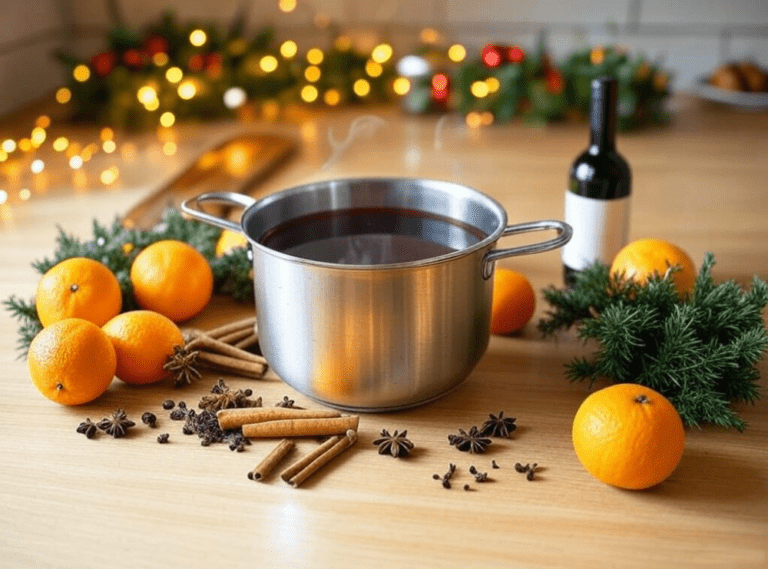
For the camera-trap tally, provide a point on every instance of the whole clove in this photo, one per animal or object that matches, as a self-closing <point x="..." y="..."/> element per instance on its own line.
<point x="168" y="404"/>
<point x="149" y="419"/>
<point x="163" y="438"/>
<point x="446" y="478"/>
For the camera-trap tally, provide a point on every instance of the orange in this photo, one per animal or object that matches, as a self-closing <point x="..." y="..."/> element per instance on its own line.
<point x="78" y="288"/>
<point x="172" y="278"/>
<point x="143" y="340"/>
<point x="71" y="361"/>
<point x="513" y="302"/>
<point x="228" y="241"/>
<point x="628" y="435"/>
<point x="645" y="257"/>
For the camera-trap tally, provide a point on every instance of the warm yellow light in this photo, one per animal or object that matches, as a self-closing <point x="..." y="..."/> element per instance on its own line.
<point x="146" y="95"/>
<point x="315" y="56"/>
<point x="198" y="38"/>
<point x="381" y="53"/>
<point x="479" y="89"/>
<point x="343" y="43"/>
<point x="312" y="73"/>
<point x="268" y="63"/>
<point x="60" y="144"/>
<point x="473" y="120"/>
<point x="38" y="135"/>
<point x="187" y="90"/>
<point x="309" y="93"/>
<point x="174" y="74"/>
<point x="169" y="148"/>
<point x="43" y="121"/>
<point x="106" y="133"/>
<point x="486" y="118"/>
<point x="361" y="87"/>
<point x="332" y="97"/>
<point x="429" y="35"/>
<point x="3" y="196"/>
<point x="109" y="146"/>
<point x="109" y="175"/>
<point x="373" y="69"/>
<point x="72" y="149"/>
<point x="286" y="5"/>
<point x="25" y="145"/>
<point x="288" y="49"/>
<point x="401" y="86"/>
<point x="37" y="166"/>
<point x="3" y="155"/>
<point x="9" y="145"/>
<point x="493" y="84"/>
<point x="160" y="59"/>
<point x="457" y="53"/>
<point x="75" y="162"/>
<point x="597" y="55"/>
<point x="167" y="119"/>
<point x="153" y="105"/>
<point x="63" y="95"/>
<point x="81" y="73"/>
<point x="24" y="194"/>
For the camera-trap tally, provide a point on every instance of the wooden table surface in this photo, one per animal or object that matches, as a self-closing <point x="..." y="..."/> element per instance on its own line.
<point x="72" y="502"/>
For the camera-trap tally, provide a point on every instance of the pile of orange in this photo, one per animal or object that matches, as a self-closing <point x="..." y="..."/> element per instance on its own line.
<point x="86" y="341"/>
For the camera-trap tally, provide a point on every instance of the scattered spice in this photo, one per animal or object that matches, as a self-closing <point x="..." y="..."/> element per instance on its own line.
<point x="116" y="425"/>
<point x="446" y="478"/>
<point x="87" y="428"/>
<point x="467" y="487"/>
<point x="494" y="465"/>
<point x="162" y="439"/>
<point x="529" y="470"/>
<point x="395" y="444"/>
<point x="223" y="397"/>
<point x="479" y="476"/>
<point x="168" y="404"/>
<point x="149" y="419"/>
<point x="178" y="414"/>
<point x="182" y="364"/>
<point x="287" y="403"/>
<point x="472" y="441"/>
<point x="498" y="426"/>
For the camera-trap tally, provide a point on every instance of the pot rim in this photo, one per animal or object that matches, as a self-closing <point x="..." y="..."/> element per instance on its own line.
<point x="296" y="190"/>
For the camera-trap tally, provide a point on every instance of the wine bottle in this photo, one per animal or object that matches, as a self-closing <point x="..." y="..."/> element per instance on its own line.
<point x="598" y="196"/>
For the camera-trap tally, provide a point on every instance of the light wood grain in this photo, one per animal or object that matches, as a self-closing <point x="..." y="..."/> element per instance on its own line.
<point x="72" y="502"/>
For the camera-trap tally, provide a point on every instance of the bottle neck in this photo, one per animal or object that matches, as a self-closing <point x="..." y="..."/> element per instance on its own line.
<point x="603" y="114"/>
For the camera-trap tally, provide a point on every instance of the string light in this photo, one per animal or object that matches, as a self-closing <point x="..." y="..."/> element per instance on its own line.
<point x="479" y="89"/>
<point x="167" y="119"/>
<point x="440" y="87"/>
<point x="76" y="162"/>
<point x="81" y="73"/>
<point x="309" y="93"/>
<point x="60" y="144"/>
<point x="268" y="63"/>
<point x="106" y="133"/>
<point x="198" y="38"/>
<point x="234" y="97"/>
<point x="597" y="55"/>
<point x="361" y="87"/>
<point x="153" y="105"/>
<point x="332" y="97"/>
<point x="25" y="145"/>
<point x="43" y="121"/>
<point x="63" y="95"/>
<point x="491" y="56"/>
<point x="37" y="166"/>
<point x="109" y="175"/>
<point x="24" y="194"/>
<point x="3" y="196"/>
<point x="38" y="136"/>
<point x="473" y="119"/>
<point x="312" y="73"/>
<point x="169" y="148"/>
<point x="373" y="68"/>
<point x="109" y="146"/>
<point x="146" y="95"/>
<point x="516" y="54"/>
<point x="9" y="145"/>
<point x="382" y="53"/>
<point x="187" y="90"/>
<point x="160" y="59"/>
<point x="174" y="74"/>
<point x="401" y="86"/>
<point x="289" y="49"/>
<point x="286" y="5"/>
<point x="493" y="84"/>
<point x="315" y="56"/>
<point x="457" y="53"/>
<point x="429" y="36"/>
<point x="3" y="155"/>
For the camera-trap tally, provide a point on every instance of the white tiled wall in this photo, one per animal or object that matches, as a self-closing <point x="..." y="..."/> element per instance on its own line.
<point x="690" y="36"/>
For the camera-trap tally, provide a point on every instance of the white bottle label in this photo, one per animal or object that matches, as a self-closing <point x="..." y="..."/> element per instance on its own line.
<point x="600" y="229"/>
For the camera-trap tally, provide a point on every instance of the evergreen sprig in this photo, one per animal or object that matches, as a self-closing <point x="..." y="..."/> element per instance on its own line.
<point x="117" y="246"/>
<point x="700" y="351"/>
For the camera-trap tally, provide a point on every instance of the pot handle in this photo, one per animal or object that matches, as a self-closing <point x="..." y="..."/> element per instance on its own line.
<point x="191" y="207"/>
<point x="564" y="233"/>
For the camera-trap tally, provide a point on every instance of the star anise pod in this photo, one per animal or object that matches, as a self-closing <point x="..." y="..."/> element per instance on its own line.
<point x="87" y="428"/>
<point x="395" y="444"/>
<point x="182" y="364"/>
<point x="472" y="441"/>
<point x="498" y="426"/>
<point x="116" y="425"/>
<point x="222" y="397"/>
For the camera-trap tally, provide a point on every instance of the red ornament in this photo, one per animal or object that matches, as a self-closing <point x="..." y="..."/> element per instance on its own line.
<point x="515" y="54"/>
<point x="155" y="44"/>
<point x="103" y="63"/>
<point x="491" y="55"/>
<point x="196" y="62"/>
<point x="440" y="87"/>
<point x="134" y="58"/>
<point x="554" y="82"/>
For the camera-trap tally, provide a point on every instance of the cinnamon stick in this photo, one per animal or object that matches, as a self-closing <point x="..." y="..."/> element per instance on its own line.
<point x="247" y="342"/>
<point x="307" y="459"/>
<point x="233" y="337"/>
<point x="323" y="459"/>
<point x="231" y="327"/>
<point x="207" y="343"/>
<point x="302" y="427"/>
<point x="235" y="365"/>
<point x="269" y="462"/>
<point x="233" y="418"/>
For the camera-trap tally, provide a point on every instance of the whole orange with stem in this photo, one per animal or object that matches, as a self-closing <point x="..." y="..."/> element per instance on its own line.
<point x="72" y="361"/>
<point x="629" y="436"/>
<point x="143" y="340"/>
<point x="78" y="288"/>
<point x="173" y="278"/>
<point x="643" y="258"/>
<point x="514" y="301"/>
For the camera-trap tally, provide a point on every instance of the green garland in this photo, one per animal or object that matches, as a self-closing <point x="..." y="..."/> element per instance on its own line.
<point x="117" y="247"/>
<point x="700" y="351"/>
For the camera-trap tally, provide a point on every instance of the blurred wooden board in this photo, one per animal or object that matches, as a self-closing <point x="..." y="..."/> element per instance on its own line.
<point x="238" y="164"/>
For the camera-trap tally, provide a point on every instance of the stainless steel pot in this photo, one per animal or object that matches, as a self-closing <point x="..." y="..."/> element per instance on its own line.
<point x="383" y="336"/>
